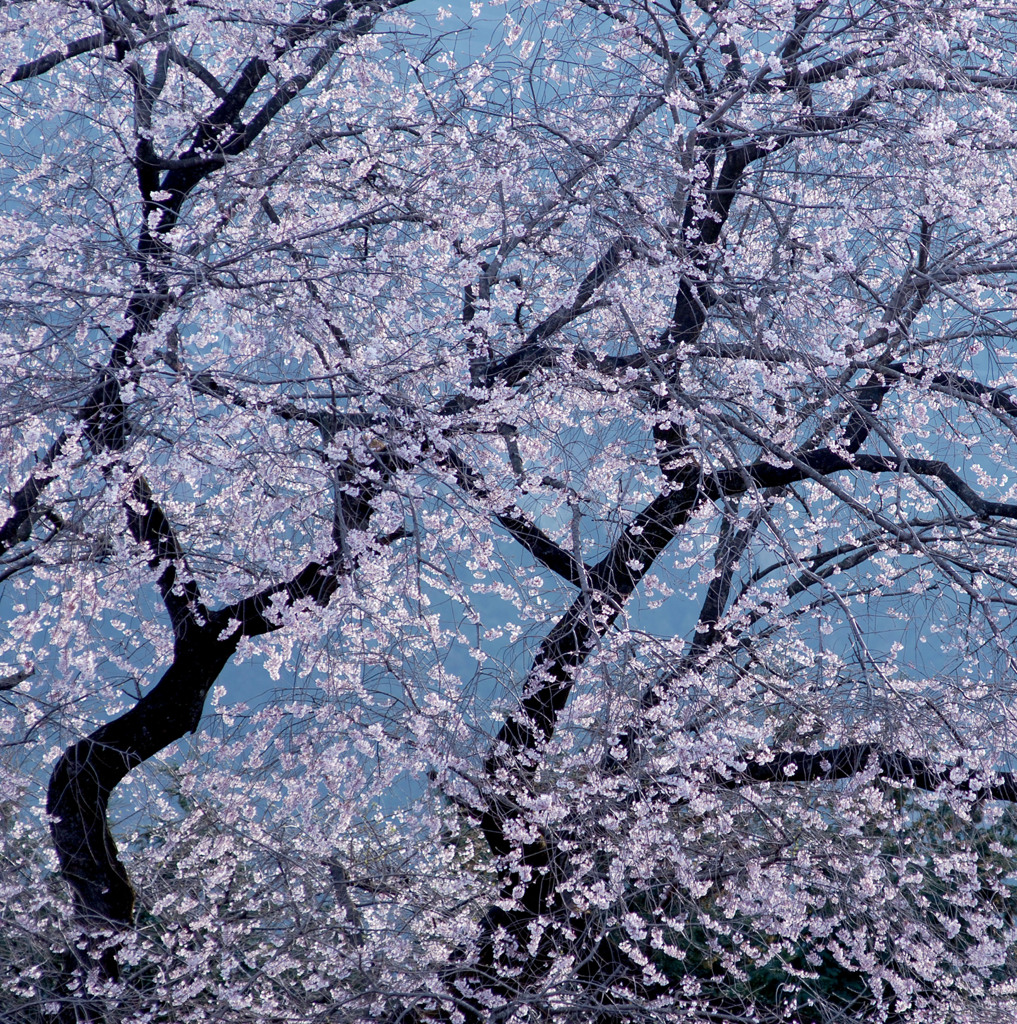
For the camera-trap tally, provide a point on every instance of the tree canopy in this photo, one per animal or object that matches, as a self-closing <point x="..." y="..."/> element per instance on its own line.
<point x="585" y="431"/>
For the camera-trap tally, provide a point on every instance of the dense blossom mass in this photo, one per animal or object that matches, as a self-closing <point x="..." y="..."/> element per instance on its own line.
<point x="508" y="512"/>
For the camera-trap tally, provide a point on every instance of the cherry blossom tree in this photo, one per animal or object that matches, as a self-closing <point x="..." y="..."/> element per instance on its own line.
<point x="592" y="422"/>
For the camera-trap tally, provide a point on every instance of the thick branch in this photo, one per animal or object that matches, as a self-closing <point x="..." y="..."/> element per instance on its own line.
<point x="532" y="354"/>
<point x="933" y="467"/>
<point x="88" y="771"/>
<point x="843" y="762"/>
<point x="615" y="577"/>
<point x="39" y="66"/>
<point x="611" y="582"/>
<point x="148" y="525"/>
<point x="18" y="526"/>
<point x="957" y="385"/>
<point x="527" y="533"/>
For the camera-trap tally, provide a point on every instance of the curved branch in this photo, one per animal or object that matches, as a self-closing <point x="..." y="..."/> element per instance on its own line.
<point x="88" y="771"/>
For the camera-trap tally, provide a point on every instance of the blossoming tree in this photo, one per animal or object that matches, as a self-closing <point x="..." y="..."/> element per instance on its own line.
<point x="594" y="417"/>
